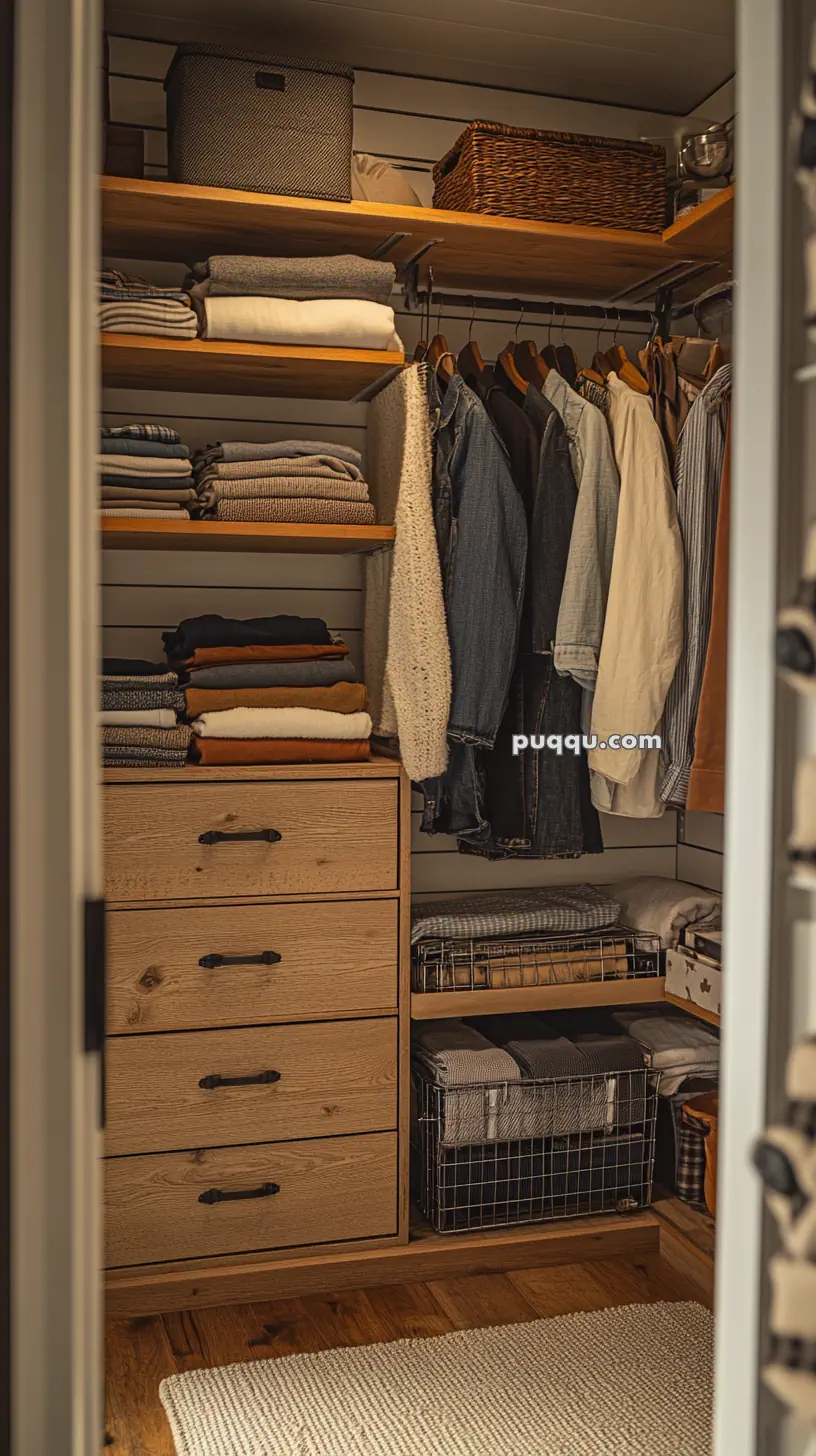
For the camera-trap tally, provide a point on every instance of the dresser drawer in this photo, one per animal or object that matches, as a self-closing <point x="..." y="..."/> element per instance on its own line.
<point x="335" y="958"/>
<point x="331" y="1077"/>
<point x="166" y="842"/>
<point x="328" y="1190"/>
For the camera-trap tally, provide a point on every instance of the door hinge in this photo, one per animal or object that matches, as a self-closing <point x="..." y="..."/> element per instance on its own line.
<point x="95" y="987"/>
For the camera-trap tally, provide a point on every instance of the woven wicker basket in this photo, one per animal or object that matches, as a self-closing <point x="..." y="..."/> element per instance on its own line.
<point x="550" y="176"/>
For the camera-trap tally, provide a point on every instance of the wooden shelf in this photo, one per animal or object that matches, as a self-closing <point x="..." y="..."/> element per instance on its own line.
<point x="151" y="219"/>
<point x="699" y="1011"/>
<point x="374" y="768"/>
<point x="128" y="533"/>
<point x="208" y="366"/>
<point x="428" y="1005"/>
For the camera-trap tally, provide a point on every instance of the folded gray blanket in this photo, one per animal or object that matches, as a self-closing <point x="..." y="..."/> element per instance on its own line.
<point x="562" y="1106"/>
<point x="456" y="1056"/>
<point x="132" y="699"/>
<point x="238" y="450"/>
<point x="315" y="674"/>
<point x="343" y="276"/>
<point x="559" y="910"/>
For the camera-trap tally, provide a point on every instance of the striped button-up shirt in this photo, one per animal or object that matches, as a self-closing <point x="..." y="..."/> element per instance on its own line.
<point x="698" y="472"/>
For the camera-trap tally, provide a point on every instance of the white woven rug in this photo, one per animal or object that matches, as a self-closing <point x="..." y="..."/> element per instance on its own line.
<point x="631" y="1381"/>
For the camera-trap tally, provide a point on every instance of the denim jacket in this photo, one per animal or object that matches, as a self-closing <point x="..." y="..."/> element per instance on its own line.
<point x="589" y="566"/>
<point x="482" y="536"/>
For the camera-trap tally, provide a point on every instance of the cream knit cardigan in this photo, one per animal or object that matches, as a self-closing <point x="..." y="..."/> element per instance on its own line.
<point x="407" y="655"/>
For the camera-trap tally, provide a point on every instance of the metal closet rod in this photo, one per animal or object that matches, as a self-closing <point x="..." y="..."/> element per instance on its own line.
<point x="611" y="314"/>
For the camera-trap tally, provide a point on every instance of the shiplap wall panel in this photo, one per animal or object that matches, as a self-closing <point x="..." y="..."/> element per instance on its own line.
<point x="706" y="831"/>
<point x="145" y="593"/>
<point x="699" y="866"/>
<point x="453" y="872"/>
<point x="617" y="833"/>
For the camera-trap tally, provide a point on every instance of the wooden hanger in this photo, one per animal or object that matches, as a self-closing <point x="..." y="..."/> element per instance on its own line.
<point x="567" y="363"/>
<point x="593" y="375"/>
<point x="530" y="364"/>
<point x="619" y="362"/>
<point x="506" y="362"/>
<point x="437" y="352"/>
<point x="470" y="362"/>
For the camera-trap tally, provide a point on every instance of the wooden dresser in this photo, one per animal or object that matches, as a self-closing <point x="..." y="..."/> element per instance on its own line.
<point x="257" y="1016"/>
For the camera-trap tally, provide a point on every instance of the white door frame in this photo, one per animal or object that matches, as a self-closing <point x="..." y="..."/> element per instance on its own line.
<point x="56" y="1196"/>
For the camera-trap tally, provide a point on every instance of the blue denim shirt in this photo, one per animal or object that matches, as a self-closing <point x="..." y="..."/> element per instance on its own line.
<point x="482" y="534"/>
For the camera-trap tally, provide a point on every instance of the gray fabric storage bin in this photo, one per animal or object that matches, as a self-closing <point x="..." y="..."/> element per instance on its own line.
<point x="259" y="123"/>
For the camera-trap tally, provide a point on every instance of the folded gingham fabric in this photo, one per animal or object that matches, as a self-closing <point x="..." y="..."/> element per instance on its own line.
<point x="160" y="433"/>
<point x="690" y="1165"/>
<point x="556" y="910"/>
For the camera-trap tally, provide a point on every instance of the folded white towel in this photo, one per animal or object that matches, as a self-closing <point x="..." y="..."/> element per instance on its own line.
<point x="138" y="718"/>
<point x="142" y="465"/>
<point x="321" y="322"/>
<point x="676" y="1046"/>
<point x="664" y="907"/>
<point x="282" y="723"/>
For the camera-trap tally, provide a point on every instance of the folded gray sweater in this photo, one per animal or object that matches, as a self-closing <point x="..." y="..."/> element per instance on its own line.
<point x="342" y="276"/>
<point x="315" y="674"/>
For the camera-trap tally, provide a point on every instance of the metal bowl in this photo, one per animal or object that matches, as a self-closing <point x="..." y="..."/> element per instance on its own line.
<point x="708" y="154"/>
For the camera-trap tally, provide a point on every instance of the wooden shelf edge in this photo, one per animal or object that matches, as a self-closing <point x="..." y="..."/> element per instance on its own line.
<point x="699" y="1011"/>
<point x="428" y="1005"/>
<point x="192" y="773"/>
<point x="127" y="533"/>
<point x="426" y="1256"/>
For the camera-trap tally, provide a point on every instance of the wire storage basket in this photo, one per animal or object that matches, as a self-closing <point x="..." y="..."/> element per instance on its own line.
<point x="495" y="1154"/>
<point x="501" y="962"/>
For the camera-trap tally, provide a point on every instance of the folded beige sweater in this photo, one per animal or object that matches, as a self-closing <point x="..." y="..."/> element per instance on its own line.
<point x="284" y="488"/>
<point x="323" y="465"/>
<point x="282" y="723"/>
<point x="306" y="511"/>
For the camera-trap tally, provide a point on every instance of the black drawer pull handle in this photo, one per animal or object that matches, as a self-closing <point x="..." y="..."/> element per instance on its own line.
<point x="266" y="958"/>
<point x="269" y="81"/>
<point x="220" y="1195"/>
<point x="216" y="1080"/>
<point x="221" y="836"/>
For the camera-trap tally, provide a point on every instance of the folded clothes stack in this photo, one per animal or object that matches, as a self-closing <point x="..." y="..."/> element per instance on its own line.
<point x="145" y="471"/>
<point x="307" y="481"/>
<point x="130" y="305"/>
<point x="139" y="719"/>
<point x="335" y="302"/>
<point x="269" y="690"/>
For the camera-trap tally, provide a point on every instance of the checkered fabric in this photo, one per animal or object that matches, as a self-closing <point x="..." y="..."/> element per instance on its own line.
<point x="142" y="432"/>
<point x="556" y="910"/>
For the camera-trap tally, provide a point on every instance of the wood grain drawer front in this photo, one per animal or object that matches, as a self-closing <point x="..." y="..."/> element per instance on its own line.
<point x="336" y="958"/>
<point x="329" y="1190"/>
<point x="334" y="836"/>
<point x="332" y="1077"/>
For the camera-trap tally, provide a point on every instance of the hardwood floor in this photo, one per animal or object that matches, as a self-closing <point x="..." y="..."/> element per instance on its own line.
<point x="141" y="1352"/>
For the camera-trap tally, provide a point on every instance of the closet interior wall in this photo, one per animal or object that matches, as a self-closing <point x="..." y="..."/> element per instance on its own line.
<point x="411" y="123"/>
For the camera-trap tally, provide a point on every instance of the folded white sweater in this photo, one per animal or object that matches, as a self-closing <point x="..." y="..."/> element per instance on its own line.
<point x="664" y="907"/>
<point x="320" y="322"/>
<point x="282" y="723"/>
<point x="138" y="718"/>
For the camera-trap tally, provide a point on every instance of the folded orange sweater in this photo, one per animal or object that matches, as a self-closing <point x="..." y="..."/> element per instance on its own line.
<point x="280" y="750"/>
<point x="289" y="652"/>
<point x="339" y="697"/>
